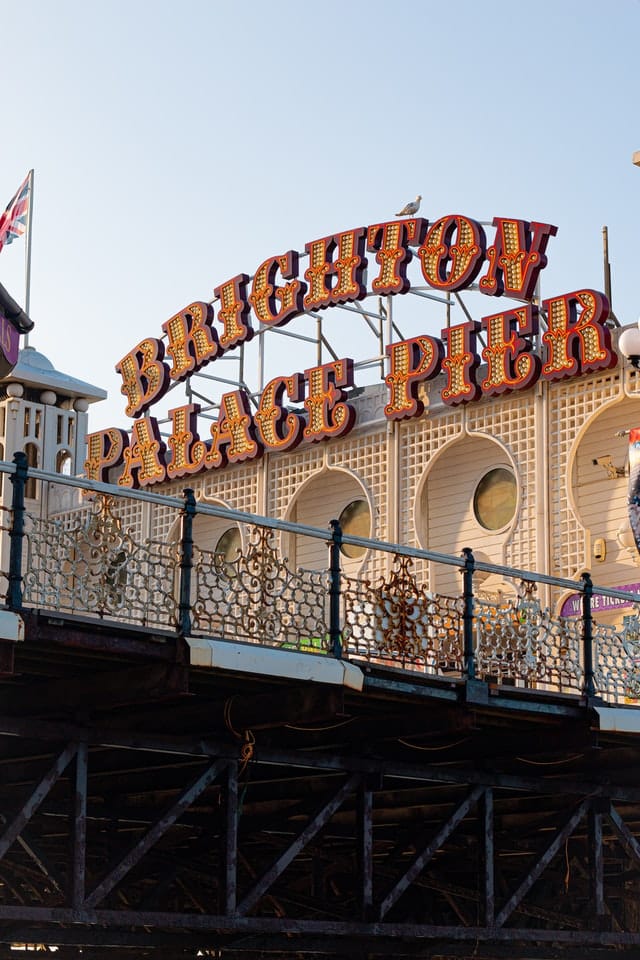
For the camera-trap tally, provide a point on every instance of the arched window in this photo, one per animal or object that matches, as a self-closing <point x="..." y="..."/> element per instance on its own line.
<point x="327" y="495"/>
<point x="33" y="458"/>
<point x="63" y="463"/>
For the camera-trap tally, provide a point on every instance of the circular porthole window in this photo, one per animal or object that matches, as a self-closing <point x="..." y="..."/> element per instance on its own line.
<point x="495" y="499"/>
<point x="355" y="520"/>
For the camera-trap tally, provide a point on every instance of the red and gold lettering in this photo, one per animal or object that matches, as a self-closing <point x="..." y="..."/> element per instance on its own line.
<point x="234" y="312"/>
<point x="143" y="460"/>
<point x="452" y="253"/>
<point x="577" y="342"/>
<point x="328" y="415"/>
<point x="187" y="449"/>
<point x="347" y="269"/>
<point x="516" y="258"/>
<point x="391" y="242"/>
<point x="271" y="417"/>
<point x="233" y="434"/>
<point x="511" y="363"/>
<point x="191" y="340"/>
<point x="104" y="451"/>
<point x="145" y="378"/>
<point x="411" y="362"/>
<point x="265" y="294"/>
<point x="461" y="363"/>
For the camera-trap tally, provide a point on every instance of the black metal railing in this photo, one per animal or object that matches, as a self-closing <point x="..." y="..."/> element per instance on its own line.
<point x="87" y="562"/>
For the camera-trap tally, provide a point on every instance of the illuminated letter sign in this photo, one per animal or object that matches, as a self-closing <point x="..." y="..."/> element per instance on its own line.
<point x="145" y="378"/>
<point x="451" y="255"/>
<point x="265" y="294"/>
<point x="391" y="243"/>
<point x="448" y="265"/>
<point x="347" y="269"/>
<point x="511" y="364"/>
<point x="516" y="258"/>
<point x="577" y="342"/>
<point x="411" y="362"/>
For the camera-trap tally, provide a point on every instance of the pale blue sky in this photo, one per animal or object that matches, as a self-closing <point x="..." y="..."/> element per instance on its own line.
<point x="178" y="144"/>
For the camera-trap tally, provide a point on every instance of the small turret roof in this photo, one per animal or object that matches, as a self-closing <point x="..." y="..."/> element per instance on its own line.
<point x="35" y="370"/>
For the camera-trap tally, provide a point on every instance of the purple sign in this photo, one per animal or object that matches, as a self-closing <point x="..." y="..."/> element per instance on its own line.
<point x="572" y="607"/>
<point x="9" y="343"/>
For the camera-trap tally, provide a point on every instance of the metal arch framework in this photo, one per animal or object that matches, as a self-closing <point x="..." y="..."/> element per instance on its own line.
<point x="183" y="812"/>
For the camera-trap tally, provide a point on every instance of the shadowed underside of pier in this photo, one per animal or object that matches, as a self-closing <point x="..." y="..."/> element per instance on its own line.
<point x="152" y="807"/>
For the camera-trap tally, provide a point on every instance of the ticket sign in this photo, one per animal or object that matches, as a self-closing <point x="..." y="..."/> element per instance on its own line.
<point x="572" y="606"/>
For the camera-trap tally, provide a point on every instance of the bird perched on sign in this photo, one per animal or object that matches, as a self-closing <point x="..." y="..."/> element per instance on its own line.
<point x="412" y="207"/>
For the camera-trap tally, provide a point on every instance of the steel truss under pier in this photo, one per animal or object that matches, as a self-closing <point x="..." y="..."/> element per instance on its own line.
<point x="151" y="807"/>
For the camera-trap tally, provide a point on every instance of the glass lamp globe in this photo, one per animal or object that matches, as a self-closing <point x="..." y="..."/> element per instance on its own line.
<point x="629" y="344"/>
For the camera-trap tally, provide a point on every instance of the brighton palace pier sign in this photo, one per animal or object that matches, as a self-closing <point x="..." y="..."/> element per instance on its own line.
<point x="452" y="253"/>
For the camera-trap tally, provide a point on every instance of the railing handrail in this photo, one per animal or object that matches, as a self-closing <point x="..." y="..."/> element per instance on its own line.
<point x="97" y="566"/>
<point x="287" y="526"/>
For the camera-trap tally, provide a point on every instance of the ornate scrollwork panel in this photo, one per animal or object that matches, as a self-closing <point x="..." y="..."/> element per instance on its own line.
<point x="94" y="567"/>
<point x="398" y="621"/>
<point x="256" y="597"/>
<point x="617" y="660"/>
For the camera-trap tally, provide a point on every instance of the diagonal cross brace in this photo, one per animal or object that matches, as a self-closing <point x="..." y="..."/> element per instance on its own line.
<point x="309" y="832"/>
<point x="22" y="818"/>
<point x="429" y="851"/>
<point x="627" y="839"/>
<point x="154" y="833"/>
<point x="543" y="862"/>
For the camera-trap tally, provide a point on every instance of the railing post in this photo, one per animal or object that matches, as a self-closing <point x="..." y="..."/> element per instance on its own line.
<point x="335" y="633"/>
<point x="186" y="562"/>
<point x="19" y="480"/>
<point x="467" y="616"/>
<point x="589" y="688"/>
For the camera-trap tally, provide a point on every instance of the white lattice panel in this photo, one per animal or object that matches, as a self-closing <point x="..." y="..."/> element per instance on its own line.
<point x="420" y="440"/>
<point x="512" y="422"/>
<point x="571" y="404"/>
<point x="236" y="487"/>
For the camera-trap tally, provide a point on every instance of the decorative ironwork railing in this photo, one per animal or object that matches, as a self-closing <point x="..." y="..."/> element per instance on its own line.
<point x="399" y="622"/>
<point x="95" y="567"/>
<point x="89" y="564"/>
<point x="256" y="597"/>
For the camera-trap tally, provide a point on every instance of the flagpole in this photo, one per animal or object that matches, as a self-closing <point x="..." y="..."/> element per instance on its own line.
<point x="27" y="263"/>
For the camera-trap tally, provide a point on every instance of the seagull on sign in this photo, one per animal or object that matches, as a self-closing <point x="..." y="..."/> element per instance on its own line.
<point x="412" y="207"/>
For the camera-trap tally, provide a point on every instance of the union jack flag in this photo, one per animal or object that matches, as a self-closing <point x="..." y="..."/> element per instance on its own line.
<point x="13" y="222"/>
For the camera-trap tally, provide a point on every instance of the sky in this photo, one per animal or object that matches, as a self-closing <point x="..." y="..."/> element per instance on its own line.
<point x="176" y="145"/>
